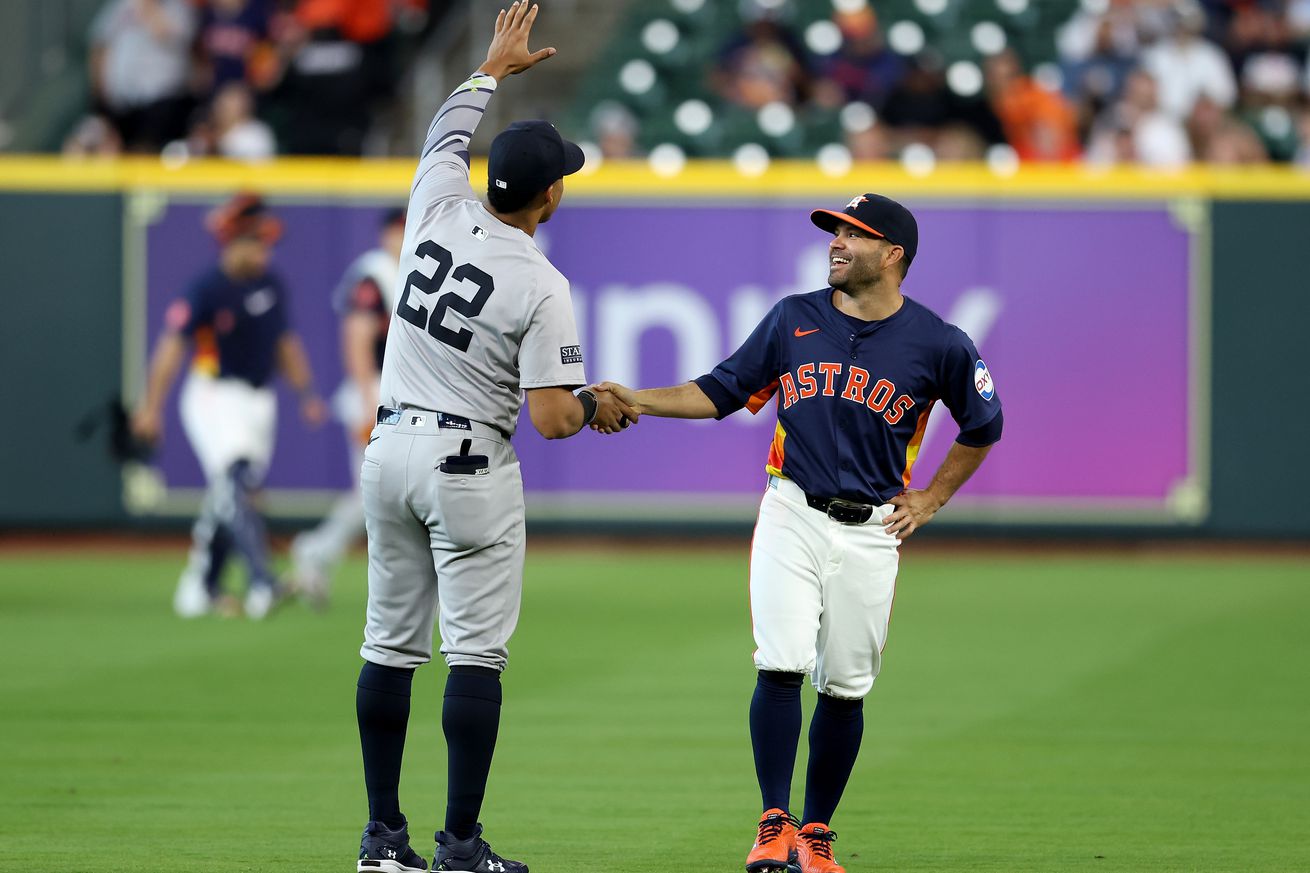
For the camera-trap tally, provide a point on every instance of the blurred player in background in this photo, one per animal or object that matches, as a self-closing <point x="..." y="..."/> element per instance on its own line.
<point x="363" y="299"/>
<point x="234" y="318"/>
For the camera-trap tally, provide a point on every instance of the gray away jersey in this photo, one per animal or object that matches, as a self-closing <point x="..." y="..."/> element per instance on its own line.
<point x="480" y="313"/>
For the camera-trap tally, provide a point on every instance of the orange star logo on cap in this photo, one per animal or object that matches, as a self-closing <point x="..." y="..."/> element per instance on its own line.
<point x="857" y="201"/>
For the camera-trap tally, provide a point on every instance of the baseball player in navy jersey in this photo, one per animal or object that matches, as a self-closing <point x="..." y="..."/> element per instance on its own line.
<point x="363" y="299"/>
<point x="481" y="317"/>
<point x="234" y="318"/>
<point x="856" y="367"/>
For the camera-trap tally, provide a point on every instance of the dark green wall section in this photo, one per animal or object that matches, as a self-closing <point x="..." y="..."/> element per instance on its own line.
<point x="1261" y="402"/>
<point x="60" y="354"/>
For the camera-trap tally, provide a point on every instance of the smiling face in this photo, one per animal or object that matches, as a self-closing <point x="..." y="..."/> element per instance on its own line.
<point x="857" y="259"/>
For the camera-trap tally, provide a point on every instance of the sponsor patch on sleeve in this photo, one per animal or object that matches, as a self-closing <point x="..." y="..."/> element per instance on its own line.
<point x="570" y="354"/>
<point x="982" y="380"/>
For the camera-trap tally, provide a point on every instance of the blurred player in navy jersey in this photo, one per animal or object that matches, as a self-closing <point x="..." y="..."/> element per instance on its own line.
<point x="234" y="320"/>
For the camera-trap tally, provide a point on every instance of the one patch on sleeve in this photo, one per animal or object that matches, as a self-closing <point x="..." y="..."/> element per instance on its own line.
<point x="570" y="354"/>
<point x="982" y="380"/>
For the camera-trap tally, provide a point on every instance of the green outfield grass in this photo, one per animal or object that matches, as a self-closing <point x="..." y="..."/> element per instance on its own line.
<point x="1035" y="713"/>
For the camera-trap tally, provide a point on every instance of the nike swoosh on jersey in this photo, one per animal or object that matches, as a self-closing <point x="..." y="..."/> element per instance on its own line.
<point x="800" y="332"/>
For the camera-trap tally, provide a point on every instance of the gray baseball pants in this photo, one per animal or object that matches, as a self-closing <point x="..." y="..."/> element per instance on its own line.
<point x="442" y="538"/>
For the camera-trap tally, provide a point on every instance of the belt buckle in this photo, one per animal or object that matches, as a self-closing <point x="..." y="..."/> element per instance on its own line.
<point x="848" y="511"/>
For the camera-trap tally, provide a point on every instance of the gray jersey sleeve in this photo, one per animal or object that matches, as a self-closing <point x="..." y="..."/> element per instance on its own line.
<point x="443" y="169"/>
<point x="550" y="355"/>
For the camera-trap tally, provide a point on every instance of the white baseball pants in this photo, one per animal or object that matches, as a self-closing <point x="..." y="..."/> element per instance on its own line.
<point x="821" y="592"/>
<point x="228" y="420"/>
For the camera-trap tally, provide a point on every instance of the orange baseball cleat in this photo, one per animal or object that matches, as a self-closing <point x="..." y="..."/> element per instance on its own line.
<point x="814" y="849"/>
<point x="775" y="844"/>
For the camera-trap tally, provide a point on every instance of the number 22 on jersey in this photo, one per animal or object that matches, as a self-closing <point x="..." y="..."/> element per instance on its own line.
<point x="432" y="321"/>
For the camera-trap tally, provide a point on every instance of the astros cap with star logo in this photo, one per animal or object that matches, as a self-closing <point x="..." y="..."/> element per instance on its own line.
<point x="878" y="215"/>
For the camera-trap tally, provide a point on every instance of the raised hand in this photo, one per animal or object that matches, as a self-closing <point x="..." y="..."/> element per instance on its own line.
<point x="509" y="53"/>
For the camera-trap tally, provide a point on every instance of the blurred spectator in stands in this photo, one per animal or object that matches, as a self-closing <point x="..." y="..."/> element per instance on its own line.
<point x="1135" y="130"/>
<point x="1302" y="157"/>
<point x="338" y="64"/>
<point x="95" y="137"/>
<point x="237" y="133"/>
<point x="959" y="142"/>
<point x="1039" y="124"/>
<point x="1114" y="31"/>
<point x="234" y="44"/>
<point x="1098" y="53"/>
<point x="870" y="143"/>
<point x="1298" y="20"/>
<point x="1259" y="35"/>
<point x="1234" y="143"/>
<point x="922" y="104"/>
<point x="863" y="69"/>
<point x="615" y="128"/>
<point x="140" y="69"/>
<point x="1186" y="65"/>
<point x="763" y="64"/>
<point x="1204" y="124"/>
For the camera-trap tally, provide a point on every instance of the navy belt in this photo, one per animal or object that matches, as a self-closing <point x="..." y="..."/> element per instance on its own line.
<point x="388" y="415"/>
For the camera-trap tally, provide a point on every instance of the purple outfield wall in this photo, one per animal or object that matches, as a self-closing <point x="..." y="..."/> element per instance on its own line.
<point x="1081" y="313"/>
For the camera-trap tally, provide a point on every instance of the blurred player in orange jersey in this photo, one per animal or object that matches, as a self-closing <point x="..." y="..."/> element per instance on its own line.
<point x="234" y="317"/>
<point x="364" y="299"/>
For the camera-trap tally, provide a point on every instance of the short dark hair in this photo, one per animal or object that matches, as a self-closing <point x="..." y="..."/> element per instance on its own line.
<point x="503" y="201"/>
<point x="904" y="265"/>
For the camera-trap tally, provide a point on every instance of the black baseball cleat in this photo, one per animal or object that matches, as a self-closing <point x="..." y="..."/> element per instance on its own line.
<point x="471" y="856"/>
<point x="382" y="850"/>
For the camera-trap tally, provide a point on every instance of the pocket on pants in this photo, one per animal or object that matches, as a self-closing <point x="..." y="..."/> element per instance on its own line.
<point x="472" y="507"/>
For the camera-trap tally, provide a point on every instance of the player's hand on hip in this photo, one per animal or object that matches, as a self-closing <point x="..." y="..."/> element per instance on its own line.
<point x="509" y="52"/>
<point x="914" y="509"/>
<point x="612" y="413"/>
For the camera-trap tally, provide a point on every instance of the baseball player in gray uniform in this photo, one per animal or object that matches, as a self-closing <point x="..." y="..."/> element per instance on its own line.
<point x="480" y="317"/>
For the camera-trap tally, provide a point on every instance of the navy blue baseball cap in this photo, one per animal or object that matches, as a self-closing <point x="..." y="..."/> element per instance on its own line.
<point x="881" y="216"/>
<point x="528" y="156"/>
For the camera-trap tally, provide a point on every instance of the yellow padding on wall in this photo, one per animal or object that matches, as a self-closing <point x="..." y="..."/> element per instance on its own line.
<point x="343" y="177"/>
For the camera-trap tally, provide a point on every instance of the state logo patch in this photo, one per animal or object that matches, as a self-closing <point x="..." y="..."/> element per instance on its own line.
<point x="570" y="354"/>
<point x="982" y="380"/>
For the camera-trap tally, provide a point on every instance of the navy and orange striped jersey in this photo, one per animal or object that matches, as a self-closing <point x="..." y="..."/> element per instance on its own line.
<point x="854" y="396"/>
<point x="235" y="325"/>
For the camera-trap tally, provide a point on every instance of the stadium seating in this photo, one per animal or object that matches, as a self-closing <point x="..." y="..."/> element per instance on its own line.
<point x="662" y="55"/>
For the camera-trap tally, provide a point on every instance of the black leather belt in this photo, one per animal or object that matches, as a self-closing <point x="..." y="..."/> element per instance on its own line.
<point x="842" y="511"/>
<point x="387" y="415"/>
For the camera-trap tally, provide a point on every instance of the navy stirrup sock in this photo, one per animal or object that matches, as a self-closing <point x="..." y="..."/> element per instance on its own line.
<point x="382" y="707"/>
<point x="775" y="732"/>
<point x="470" y="718"/>
<point x="835" y="733"/>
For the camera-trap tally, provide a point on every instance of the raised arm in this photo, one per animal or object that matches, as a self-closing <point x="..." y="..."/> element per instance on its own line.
<point x="455" y="122"/>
